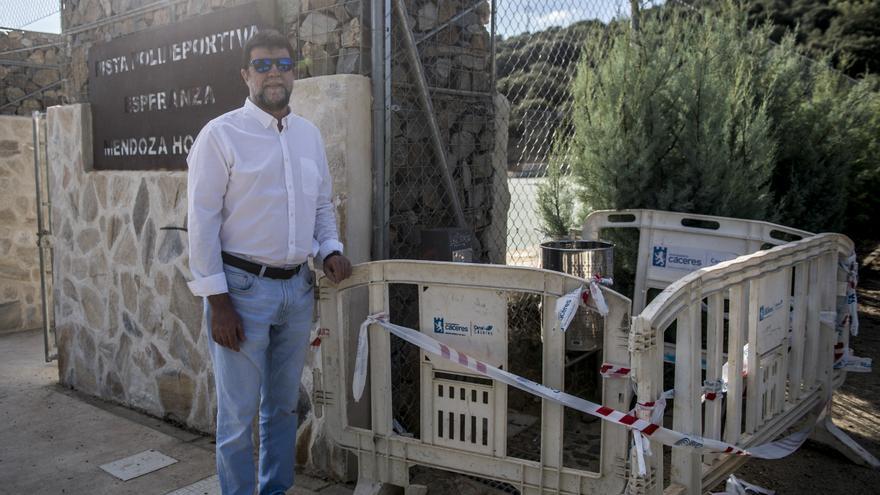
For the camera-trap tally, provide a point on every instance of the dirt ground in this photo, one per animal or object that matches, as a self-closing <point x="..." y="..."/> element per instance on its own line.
<point x="818" y="469"/>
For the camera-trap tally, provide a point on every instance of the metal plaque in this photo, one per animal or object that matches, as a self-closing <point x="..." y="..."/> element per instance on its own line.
<point x="152" y="91"/>
<point x="207" y="486"/>
<point x="138" y="465"/>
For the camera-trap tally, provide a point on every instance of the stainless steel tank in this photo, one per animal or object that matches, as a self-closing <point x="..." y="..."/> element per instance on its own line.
<point x="584" y="259"/>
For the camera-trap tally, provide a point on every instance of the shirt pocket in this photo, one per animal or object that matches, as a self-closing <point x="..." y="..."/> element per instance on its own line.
<point x="311" y="178"/>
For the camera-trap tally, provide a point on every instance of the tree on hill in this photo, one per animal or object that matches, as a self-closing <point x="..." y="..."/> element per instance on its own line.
<point x="846" y="32"/>
<point x="700" y="113"/>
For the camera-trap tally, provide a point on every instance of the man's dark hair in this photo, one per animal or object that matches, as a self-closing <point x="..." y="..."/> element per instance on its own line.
<point x="268" y="38"/>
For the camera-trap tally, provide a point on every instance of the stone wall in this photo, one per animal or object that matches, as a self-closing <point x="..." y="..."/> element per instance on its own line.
<point x="456" y="59"/>
<point x="26" y="66"/>
<point x="332" y="36"/>
<point x="129" y="329"/>
<point x="19" y="262"/>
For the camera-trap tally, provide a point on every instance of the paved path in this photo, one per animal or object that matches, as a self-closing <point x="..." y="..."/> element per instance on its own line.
<point x="53" y="440"/>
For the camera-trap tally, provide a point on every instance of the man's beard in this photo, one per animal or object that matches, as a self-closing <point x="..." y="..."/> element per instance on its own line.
<point x="268" y="104"/>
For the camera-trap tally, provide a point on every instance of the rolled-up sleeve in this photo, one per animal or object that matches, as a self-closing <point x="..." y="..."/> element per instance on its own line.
<point x="207" y="178"/>
<point x="326" y="233"/>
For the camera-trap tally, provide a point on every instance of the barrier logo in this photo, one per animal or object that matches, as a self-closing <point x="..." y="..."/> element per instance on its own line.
<point x="764" y="312"/>
<point x="687" y="258"/>
<point x="659" y="256"/>
<point x="483" y="329"/>
<point x="687" y="442"/>
<point x="450" y="328"/>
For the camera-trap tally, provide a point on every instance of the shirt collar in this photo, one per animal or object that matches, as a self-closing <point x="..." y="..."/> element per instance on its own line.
<point x="264" y="118"/>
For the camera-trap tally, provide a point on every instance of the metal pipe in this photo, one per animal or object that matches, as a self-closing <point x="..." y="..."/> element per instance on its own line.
<point x="492" y="6"/>
<point x="386" y="79"/>
<point x="25" y="63"/>
<point x="428" y="108"/>
<point x="32" y="48"/>
<point x="25" y="97"/>
<point x="41" y="236"/>
<point x="434" y="32"/>
<point x="448" y="91"/>
<point x="380" y="230"/>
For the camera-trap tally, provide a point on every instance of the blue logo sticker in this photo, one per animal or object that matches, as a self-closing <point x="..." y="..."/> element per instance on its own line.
<point x="450" y="328"/>
<point x="659" y="256"/>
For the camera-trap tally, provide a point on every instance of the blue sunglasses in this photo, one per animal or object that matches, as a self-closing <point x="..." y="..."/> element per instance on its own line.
<point x="263" y="65"/>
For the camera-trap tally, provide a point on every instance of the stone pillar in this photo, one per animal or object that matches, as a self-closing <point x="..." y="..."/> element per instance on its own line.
<point x="340" y="107"/>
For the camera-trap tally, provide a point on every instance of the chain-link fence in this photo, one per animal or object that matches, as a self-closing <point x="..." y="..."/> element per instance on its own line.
<point x="29" y="61"/>
<point x="21" y="14"/>
<point x="329" y="36"/>
<point x="479" y="97"/>
<point x="538" y="50"/>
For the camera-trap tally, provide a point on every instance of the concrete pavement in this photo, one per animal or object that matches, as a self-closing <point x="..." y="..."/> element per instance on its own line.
<point x="53" y="440"/>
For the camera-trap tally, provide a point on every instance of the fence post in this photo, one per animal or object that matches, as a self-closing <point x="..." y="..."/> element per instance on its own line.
<point x="647" y="365"/>
<point x="687" y="411"/>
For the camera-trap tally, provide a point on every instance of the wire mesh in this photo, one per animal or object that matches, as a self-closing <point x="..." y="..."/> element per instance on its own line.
<point x="486" y="111"/>
<point x="19" y="14"/>
<point x="539" y="46"/>
<point x="329" y="36"/>
<point x="451" y="75"/>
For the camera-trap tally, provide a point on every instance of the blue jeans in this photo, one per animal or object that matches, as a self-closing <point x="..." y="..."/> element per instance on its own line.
<point x="264" y="374"/>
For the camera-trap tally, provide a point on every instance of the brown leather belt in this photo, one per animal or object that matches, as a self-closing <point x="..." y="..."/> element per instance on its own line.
<point x="258" y="269"/>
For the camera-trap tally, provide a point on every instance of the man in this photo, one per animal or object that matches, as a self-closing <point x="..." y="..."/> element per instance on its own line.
<point x="259" y="205"/>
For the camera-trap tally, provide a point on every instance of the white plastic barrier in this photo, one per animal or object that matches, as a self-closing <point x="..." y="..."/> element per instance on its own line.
<point x="463" y="415"/>
<point x="671" y="245"/>
<point x="767" y="327"/>
<point x="781" y="331"/>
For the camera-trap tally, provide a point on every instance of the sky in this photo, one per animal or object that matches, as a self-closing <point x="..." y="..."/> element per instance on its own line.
<point x="13" y="12"/>
<point x="518" y="16"/>
<point x="513" y="17"/>
<point x="51" y="24"/>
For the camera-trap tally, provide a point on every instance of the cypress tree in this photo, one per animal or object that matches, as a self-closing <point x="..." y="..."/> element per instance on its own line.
<point x="702" y="114"/>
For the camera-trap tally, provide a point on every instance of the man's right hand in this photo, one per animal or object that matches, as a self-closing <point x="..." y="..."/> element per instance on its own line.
<point x="226" y="327"/>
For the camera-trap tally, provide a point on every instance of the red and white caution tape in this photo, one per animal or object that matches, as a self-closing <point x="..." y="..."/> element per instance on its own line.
<point x="608" y="370"/>
<point x="713" y="389"/>
<point x="736" y="486"/>
<point x="646" y="428"/>
<point x="567" y="305"/>
<point x="598" y="298"/>
<point x="852" y="281"/>
<point x="848" y="362"/>
<point x="650" y="411"/>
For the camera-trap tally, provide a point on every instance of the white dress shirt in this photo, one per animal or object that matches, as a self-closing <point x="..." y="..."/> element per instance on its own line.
<point x="257" y="193"/>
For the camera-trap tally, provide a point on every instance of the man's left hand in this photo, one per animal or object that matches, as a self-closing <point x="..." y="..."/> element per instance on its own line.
<point x="337" y="268"/>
